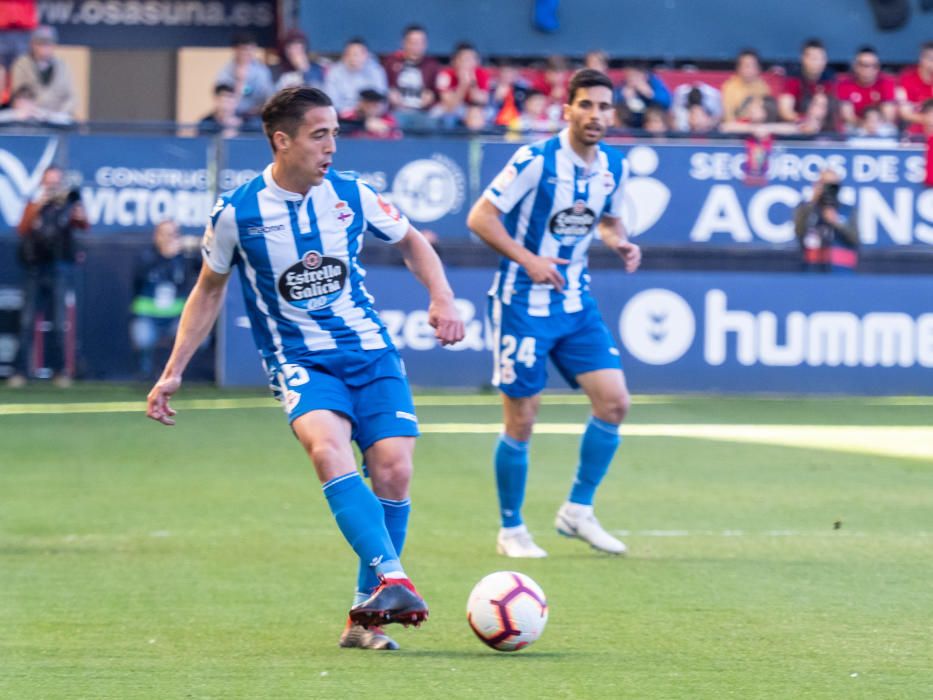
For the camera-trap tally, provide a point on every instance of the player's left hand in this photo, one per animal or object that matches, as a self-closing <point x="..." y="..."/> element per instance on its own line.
<point x="157" y="406"/>
<point x="630" y="254"/>
<point x="445" y="320"/>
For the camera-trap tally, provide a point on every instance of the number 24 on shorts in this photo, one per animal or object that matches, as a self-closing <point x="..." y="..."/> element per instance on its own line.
<point x="512" y="351"/>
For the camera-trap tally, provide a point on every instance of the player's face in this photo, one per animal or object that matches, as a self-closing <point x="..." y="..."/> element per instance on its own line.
<point x="813" y="61"/>
<point x="310" y="152"/>
<point x="590" y="114"/>
<point x="866" y="67"/>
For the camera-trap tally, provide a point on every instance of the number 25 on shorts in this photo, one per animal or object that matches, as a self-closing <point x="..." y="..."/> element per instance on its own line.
<point x="512" y="351"/>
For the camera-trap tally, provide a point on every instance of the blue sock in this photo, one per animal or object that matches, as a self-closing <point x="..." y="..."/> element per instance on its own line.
<point x="361" y="519"/>
<point x="396" y="519"/>
<point x="511" y="473"/>
<point x="598" y="446"/>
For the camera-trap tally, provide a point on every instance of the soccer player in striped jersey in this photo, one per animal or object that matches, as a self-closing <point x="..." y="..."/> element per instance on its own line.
<point x="554" y="195"/>
<point x="294" y="234"/>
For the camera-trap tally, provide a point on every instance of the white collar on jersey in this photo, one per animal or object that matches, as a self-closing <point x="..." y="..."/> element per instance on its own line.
<point x="280" y="191"/>
<point x="573" y="155"/>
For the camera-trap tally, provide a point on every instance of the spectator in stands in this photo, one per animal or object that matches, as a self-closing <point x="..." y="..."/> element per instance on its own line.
<point x="872" y="125"/>
<point x="555" y="78"/>
<point x="4" y="87"/>
<point x="45" y="74"/>
<point x="17" y="22"/>
<point x="412" y="75"/>
<point x="915" y="86"/>
<point x="757" y="116"/>
<point x="744" y="83"/>
<point x="926" y="113"/>
<point x="508" y="96"/>
<point x="162" y="279"/>
<point x="223" y="118"/>
<point x="597" y="60"/>
<point x="250" y="77"/>
<point x="827" y="229"/>
<point x="538" y="115"/>
<point x="370" y="117"/>
<point x="295" y="67"/>
<point x="47" y="252"/>
<point x="866" y="87"/>
<point x="699" y="120"/>
<point x="640" y="89"/>
<point x="356" y="71"/>
<point x="820" y="117"/>
<point x="696" y="94"/>
<point x="474" y="119"/>
<point x="23" y="109"/>
<point x="811" y="78"/>
<point x="463" y="85"/>
<point x="655" y="121"/>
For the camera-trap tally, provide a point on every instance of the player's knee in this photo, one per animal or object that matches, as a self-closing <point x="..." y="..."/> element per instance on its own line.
<point x="325" y="455"/>
<point x="391" y="473"/>
<point x="520" y="427"/>
<point x="614" y="409"/>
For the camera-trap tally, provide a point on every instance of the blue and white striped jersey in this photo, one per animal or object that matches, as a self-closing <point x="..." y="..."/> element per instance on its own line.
<point x="298" y="259"/>
<point x="552" y="202"/>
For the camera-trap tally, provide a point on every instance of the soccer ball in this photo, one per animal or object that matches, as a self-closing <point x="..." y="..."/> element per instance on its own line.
<point x="507" y="610"/>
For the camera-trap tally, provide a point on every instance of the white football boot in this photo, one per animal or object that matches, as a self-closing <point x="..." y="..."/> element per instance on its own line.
<point x="517" y="542"/>
<point x="575" y="520"/>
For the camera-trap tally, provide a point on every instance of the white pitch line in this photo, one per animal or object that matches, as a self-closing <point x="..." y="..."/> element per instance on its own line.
<point x="17" y="409"/>
<point x="736" y="533"/>
<point x="913" y="442"/>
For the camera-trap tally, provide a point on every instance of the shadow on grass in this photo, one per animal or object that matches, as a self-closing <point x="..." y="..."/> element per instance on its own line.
<point x="488" y="654"/>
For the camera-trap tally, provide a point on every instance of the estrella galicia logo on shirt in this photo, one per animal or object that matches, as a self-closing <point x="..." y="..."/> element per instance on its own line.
<point x="573" y="222"/>
<point x="314" y="282"/>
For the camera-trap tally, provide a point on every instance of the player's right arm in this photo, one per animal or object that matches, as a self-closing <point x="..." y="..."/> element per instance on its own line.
<point x="201" y="309"/>
<point x="505" y="192"/>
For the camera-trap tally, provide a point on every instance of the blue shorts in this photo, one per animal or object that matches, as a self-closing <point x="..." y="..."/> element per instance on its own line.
<point x="372" y="392"/>
<point x="576" y="343"/>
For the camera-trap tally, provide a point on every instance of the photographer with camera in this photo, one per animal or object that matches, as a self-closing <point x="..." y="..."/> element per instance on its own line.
<point x="827" y="229"/>
<point x="47" y="252"/>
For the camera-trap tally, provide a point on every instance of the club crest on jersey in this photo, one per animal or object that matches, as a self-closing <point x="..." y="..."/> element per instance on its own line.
<point x="314" y="282"/>
<point x="572" y="223"/>
<point x="343" y="213"/>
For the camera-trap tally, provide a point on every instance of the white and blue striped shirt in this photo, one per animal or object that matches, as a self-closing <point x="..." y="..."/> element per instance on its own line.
<point x="298" y="259"/>
<point x="552" y="201"/>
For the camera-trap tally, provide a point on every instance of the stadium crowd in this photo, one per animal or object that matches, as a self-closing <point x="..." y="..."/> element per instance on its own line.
<point x="409" y="90"/>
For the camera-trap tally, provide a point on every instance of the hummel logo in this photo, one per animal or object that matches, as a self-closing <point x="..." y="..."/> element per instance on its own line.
<point x="376" y="561"/>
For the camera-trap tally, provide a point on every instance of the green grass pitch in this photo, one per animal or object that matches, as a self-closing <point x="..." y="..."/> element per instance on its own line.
<point x="789" y="557"/>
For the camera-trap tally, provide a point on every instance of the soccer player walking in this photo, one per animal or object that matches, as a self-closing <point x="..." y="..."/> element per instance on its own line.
<point x="295" y="233"/>
<point x="554" y="195"/>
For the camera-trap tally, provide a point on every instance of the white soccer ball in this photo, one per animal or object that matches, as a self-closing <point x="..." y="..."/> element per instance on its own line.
<point x="507" y="610"/>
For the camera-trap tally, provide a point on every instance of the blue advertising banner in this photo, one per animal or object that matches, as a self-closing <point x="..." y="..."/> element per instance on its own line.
<point x="23" y="159"/>
<point x="131" y="183"/>
<point x="680" y="332"/>
<point x="425" y="178"/>
<point x="157" y="24"/>
<point x="694" y="192"/>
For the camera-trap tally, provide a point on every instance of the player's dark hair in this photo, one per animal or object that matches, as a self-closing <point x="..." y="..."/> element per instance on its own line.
<point x="586" y="78"/>
<point x="287" y="108"/>
<point x="812" y="44"/>
<point x="242" y="39"/>
<point x="463" y="46"/>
